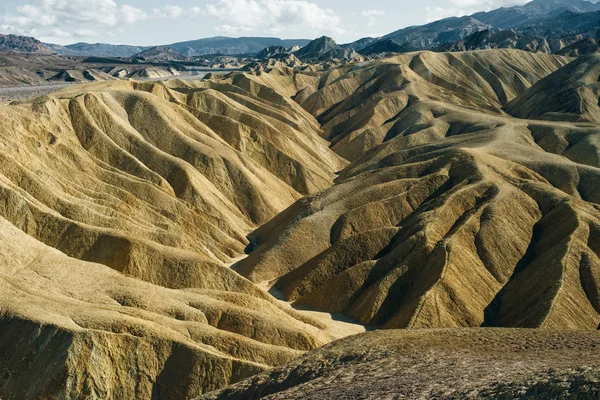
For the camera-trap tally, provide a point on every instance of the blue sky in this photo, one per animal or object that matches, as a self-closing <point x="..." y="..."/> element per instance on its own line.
<point x="152" y="22"/>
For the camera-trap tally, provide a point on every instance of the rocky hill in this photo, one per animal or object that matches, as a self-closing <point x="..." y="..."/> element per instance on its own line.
<point x="541" y="25"/>
<point x="449" y="365"/>
<point x="273" y="52"/>
<point x="22" y="44"/>
<point x="325" y="49"/>
<point x="160" y="54"/>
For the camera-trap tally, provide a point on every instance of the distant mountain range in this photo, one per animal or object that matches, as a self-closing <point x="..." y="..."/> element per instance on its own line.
<point x="543" y="18"/>
<point x="215" y="45"/>
<point x="533" y="12"/>
<point x="541" y="25"/>
<point x="230" y="46"/>
<point x="96" y="49"/>
<point x="436" y="33"/>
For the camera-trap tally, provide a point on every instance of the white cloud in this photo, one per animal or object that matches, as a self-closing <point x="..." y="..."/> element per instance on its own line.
<point x="66" y="18"/>
<point x="231" y="30"/>
<point x="81" y="18"/>
<point x="168" y="12"/>
<point x="131" y="15"/>
<point x="459" y="8"/>
<point x="372" y="16"/>
<point x="274" y="16"/>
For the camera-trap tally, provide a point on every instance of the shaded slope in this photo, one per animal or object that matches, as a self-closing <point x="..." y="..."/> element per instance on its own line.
<point x="571" y="93"/>
<point x="582" y="47"/>
<point x="509" y="39"/>
<point x="387" y="46"/>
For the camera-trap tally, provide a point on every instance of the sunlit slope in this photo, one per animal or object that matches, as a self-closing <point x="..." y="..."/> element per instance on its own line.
<point x="159" y="181"/>
<point x="462" y="217"/>
<point x="359" y="104"/>
<point x="73" y="329"/>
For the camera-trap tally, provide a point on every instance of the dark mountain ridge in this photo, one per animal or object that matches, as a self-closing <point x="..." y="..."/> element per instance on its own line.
<point x="325" y="49"/>
<point x="22" y="44"/>
<point x="540" y="25"/>
<point x="532" y="12"/>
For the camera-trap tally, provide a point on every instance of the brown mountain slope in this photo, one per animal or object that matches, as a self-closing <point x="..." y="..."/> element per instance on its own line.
<point x="569" y="94"/>
<point x="461" y="218"/>
<point x="161" y="182"/>
<point x="453" y="214"/>
<point x="72" y="329"/>
<point x="438" y="364"/>
<point x="132" y="175"/>
<point x="358" y="105"/>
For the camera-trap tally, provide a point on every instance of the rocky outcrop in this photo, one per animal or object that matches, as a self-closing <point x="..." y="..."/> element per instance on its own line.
<point x="326" y="49"/>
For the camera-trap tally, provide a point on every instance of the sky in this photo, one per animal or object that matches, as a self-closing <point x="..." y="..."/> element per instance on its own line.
<point x="154" y="22"/>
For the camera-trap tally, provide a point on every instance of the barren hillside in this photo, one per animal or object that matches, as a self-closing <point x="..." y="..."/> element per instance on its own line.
<point x="139" y="222"/>
<point x="457" y="215"/>
<point x="436" y="364"/>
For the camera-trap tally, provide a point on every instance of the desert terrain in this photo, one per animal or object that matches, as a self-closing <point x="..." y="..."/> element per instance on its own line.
<point x="440" y="364"/>
<point x="169" y="238"/>
<point x="26" y="76"/>
<point x="415" y="215"/>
